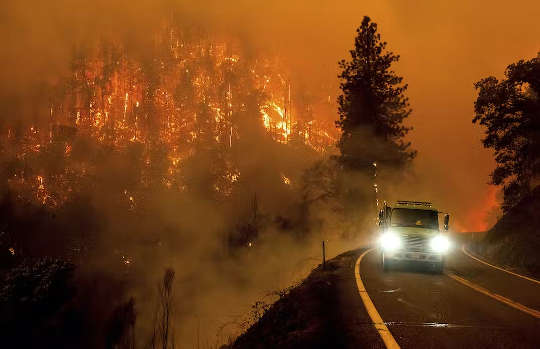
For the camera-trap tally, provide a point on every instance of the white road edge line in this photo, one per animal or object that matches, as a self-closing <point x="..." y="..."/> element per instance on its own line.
<point x="469" y="254"/>
<point x="379" y="324"/>
<point x="495" y="296"/>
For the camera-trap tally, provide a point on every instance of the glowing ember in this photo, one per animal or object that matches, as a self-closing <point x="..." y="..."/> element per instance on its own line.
<point x="285" y="180"/>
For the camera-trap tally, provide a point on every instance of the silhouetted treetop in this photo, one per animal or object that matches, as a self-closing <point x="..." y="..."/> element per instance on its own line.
<point x="510" y="111"/>
<point x="372" y="106"/>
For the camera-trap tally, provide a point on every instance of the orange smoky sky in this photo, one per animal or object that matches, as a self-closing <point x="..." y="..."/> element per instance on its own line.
<point x="445" y="46"/>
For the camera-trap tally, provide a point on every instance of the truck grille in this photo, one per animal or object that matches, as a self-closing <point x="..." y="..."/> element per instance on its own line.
<point x="415" y="243"/>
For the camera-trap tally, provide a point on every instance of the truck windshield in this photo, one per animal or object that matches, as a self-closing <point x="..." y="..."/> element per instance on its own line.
<point x="406" y="217"/>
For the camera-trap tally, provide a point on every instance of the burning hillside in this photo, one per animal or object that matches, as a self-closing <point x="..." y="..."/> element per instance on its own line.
<point x="195" y="152"/>
<point x="129" y="163"/>
<point x="190" y="95"/>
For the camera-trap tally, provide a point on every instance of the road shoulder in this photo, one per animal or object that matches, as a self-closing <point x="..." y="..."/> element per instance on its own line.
<point x="324" y="311"/>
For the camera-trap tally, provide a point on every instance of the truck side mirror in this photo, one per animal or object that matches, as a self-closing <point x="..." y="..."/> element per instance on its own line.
<point x="446" y="221"/>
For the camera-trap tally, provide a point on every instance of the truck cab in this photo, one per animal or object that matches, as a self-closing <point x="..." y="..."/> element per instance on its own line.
<point x="409" y="231"/>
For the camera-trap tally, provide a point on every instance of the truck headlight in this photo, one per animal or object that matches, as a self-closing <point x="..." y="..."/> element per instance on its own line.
<point x="390" y="241"/>
<point x="440" y="244"/>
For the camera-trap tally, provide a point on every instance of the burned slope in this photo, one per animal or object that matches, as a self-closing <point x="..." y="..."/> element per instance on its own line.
<point x="515" y="240"/>
<point x="324" y="311"/>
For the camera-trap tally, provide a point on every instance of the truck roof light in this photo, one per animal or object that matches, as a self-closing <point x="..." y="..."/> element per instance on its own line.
<point x="414" y="203"/>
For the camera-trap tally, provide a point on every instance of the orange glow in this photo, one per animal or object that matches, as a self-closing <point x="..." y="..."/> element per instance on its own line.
<point x="479" y="219"/>
<point x="111" y="104"/>
<point x="285" y="179"/>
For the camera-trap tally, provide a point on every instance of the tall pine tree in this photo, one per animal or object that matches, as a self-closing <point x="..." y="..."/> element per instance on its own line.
<point x="372" y="105"/>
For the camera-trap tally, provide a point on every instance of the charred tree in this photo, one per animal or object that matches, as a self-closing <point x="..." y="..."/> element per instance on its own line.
<point x="163" y="336"/>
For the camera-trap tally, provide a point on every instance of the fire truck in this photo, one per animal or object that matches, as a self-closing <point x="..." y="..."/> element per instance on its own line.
<point x="410" y="232"/>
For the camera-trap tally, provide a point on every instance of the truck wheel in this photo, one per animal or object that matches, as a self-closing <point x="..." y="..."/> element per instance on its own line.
<point x="439" y="267"/>
<point x="385" y="264"/>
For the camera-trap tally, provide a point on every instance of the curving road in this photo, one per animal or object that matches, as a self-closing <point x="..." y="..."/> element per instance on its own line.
<point x="472" y="305"/>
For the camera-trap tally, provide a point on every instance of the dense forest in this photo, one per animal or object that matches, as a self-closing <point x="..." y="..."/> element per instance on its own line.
<point x="130" y="165"/>
<point x="146" y="198"/>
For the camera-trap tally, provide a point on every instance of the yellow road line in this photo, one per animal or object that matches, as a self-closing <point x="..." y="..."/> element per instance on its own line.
<point x="464" y="250"/>
<point x="379" y="324"/>
<point x="498" y="297"/>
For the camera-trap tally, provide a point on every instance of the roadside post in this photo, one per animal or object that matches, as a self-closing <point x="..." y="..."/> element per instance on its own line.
<point x="323" y="255"/>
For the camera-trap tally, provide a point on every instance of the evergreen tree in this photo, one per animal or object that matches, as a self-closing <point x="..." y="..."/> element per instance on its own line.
<point x="510" y="110"/>
<point x="372" y="105"/>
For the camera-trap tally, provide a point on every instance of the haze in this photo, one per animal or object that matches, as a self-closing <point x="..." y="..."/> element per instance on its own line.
<point x="445" y="46"/>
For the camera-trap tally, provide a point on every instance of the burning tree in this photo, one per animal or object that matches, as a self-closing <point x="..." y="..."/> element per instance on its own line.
<point x="192" y="97"/>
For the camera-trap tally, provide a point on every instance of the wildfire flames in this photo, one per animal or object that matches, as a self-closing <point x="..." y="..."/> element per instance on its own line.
<point x="190" y="92"/>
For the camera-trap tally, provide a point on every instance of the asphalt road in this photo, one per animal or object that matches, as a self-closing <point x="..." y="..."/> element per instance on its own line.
<point x="426" y="310"/>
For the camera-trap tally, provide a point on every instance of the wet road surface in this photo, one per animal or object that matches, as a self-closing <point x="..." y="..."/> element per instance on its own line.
<point x="422" y="309"/>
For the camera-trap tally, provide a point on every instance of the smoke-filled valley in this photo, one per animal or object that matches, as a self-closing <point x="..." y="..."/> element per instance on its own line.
<point x="170" y="168"/>
<point x="201" y="157"/>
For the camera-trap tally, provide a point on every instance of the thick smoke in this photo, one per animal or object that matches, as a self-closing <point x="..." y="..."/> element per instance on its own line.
<point x="444" y="49"/>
